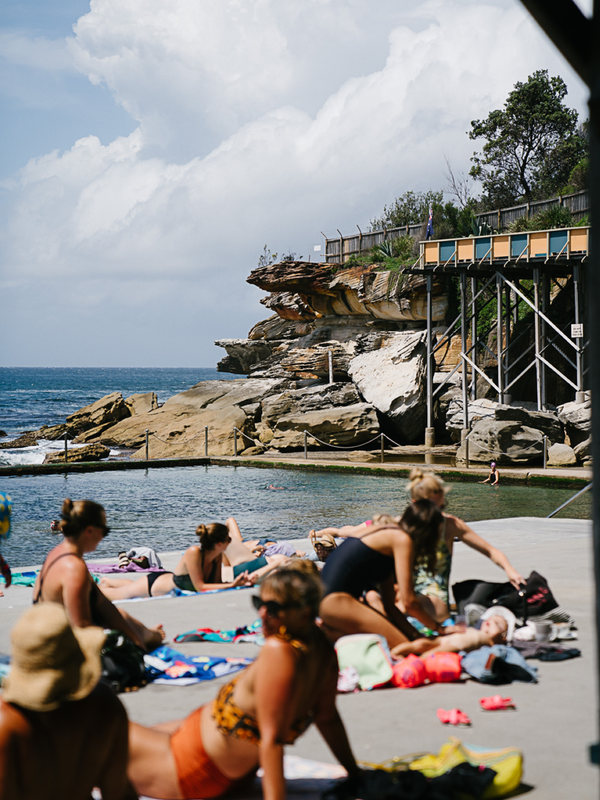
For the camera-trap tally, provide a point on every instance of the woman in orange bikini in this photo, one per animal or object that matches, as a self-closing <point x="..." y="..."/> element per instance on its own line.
<point x="292" y="684"/>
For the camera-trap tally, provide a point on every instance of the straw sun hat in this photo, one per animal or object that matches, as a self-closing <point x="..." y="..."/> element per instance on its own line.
<point x="51" y="662"/>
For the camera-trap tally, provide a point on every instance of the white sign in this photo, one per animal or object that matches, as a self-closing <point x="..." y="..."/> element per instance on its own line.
<point x="577" y="331"/>
<point x="317" y="248"/>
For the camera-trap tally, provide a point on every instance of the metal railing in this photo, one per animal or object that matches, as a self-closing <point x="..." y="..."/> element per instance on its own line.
<point x="570" y="500"/>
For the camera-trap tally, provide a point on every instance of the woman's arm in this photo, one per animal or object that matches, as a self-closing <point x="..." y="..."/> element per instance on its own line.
<point x="273" y="690"/>
<point x="193" y="562"/>
<point x="403" y="559"/>
<point x="461" y="530"/>
<point x="330" y="725"/>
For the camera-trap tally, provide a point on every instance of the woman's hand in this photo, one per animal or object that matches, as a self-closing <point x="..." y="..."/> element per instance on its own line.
<point x="515" y="578"/>
<point x="242" y="579"/>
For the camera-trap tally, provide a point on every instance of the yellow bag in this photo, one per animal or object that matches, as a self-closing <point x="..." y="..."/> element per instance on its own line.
<point x="507" y="763"/>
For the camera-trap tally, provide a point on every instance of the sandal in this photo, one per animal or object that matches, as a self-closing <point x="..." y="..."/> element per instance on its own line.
<point x="496" y="703"/>
<point x="453" y="717"/>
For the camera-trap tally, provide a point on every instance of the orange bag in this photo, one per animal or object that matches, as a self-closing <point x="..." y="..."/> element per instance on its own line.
<point x="442" y="667"/>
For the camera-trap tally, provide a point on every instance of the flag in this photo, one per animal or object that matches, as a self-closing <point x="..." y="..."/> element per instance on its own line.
<point x="429" y="232"/>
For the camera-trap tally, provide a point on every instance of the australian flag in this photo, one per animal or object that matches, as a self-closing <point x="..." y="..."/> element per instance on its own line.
<point x="429" y="232"/>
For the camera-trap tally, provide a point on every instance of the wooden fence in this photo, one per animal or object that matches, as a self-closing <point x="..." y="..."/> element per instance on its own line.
<point x="340" y="248"/>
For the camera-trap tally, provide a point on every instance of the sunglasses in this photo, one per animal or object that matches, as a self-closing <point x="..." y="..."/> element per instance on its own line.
<point x="104" y="528"/>
<point x="272" y="606"/>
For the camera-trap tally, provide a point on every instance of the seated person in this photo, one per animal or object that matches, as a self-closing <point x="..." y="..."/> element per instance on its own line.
<point x="238" y="556"/>
<point x="65" y="579"/>
<point x="497" y="627"/>
<point x="61" y="733"/>
<point x="292" y="684"/>
<point x="198" y="570"/>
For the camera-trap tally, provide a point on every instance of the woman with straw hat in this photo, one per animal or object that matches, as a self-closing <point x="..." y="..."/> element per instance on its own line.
<point x="61" y="733"/>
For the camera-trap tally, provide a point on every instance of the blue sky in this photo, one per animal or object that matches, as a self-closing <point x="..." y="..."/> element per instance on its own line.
<point x="150" y="148"/>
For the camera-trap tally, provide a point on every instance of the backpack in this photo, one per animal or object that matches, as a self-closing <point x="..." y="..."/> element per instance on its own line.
<point x="123" y="667"/>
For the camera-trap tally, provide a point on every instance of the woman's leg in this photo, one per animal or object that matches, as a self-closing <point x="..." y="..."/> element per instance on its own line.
<point x="151" y="766"/>
<point x="122" y="589"/>
<point x="343" y="614"/>
<point x="273" y="562"/>
<point x="434" y="606"/>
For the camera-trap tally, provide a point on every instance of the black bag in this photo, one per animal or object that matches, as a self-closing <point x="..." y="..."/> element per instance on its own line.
<point x="534" y="599"/>
<point x="123" y="667"/>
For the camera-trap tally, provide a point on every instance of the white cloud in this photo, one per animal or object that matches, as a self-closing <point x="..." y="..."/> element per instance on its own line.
<point x="230" y="82"/>
<point x="17" y="48"/>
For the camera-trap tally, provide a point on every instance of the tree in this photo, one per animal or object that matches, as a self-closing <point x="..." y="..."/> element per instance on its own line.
<point x="532" y="145"/>
<point x="408" y="209"/>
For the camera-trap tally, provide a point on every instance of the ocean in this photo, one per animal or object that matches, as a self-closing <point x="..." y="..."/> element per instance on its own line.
<point x="31" y="397"/>
<point x="162" y="507"/>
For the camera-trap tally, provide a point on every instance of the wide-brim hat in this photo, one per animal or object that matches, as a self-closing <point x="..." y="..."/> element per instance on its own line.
<point x="501" y="611"/>
<point x="51" y="662"/>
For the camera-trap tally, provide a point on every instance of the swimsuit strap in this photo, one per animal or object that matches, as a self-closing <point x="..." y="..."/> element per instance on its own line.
<point x="43" y="573"/>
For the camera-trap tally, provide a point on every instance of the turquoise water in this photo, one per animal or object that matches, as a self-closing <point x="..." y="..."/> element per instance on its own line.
<point x="161" y="507"/>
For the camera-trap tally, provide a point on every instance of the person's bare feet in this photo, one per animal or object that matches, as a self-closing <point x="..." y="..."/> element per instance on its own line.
<point x="154" y="637"/>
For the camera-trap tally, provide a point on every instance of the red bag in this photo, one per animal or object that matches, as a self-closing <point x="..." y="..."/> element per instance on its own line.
<point x="442" y="667"/>
<point x="409" y="672"/>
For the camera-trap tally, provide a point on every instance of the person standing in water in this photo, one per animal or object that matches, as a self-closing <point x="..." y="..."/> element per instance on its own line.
<point x="494" y="476"/>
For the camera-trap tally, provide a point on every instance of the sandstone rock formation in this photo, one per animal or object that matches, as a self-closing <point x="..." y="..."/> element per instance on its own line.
<point x="27" y="439"/>
<point x="561" y="455"/>
<point x="91" y="452"/>
<point x="577" y="419"/>
<point x="393" y="380"/>
<point x="141" y="403"/>
<point x="505" y="442"/>
<point x="103" y="413"/>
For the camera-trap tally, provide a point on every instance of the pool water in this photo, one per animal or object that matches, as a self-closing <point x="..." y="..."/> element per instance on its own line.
<point x="161" y="508"/>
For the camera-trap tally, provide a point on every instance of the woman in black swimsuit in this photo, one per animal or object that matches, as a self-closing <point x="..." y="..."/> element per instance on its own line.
<point x="199" y="569"/>
<point x="383" y="556"/>
<point x="65" y="579"/>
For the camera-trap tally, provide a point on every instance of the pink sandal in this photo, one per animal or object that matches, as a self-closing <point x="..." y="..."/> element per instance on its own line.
<point x="496" y="703"/>
<point x="453" y="717"/>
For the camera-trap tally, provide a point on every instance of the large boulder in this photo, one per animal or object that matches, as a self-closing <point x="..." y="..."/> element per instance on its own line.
<point x="561" y="455"/>
<point x="545" y="421"/>
<point x="312" y="398"/>
<point x="345" y="426"/>
<point x="141" y="403"/>
<point x="577" y="419"/>
<point x="27" y="439"/>
<point x="91" y="452"/>
<point x="505" y="442"/>
<point x="583" y="451"/>
<point x="393" y="380"/>
<point x="106" y="411"/>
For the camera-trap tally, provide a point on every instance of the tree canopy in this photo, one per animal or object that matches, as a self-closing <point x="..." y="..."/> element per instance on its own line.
<point x="408" y="209"/>
<point x="532" y="145"/>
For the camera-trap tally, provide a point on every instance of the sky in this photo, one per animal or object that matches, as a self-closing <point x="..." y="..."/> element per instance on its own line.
<point x="150" y="149"/>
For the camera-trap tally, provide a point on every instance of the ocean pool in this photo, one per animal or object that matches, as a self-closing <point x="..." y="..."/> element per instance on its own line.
<point x="161" y="507"/>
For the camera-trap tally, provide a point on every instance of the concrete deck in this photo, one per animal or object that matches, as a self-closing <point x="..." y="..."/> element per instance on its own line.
<point x="555" y="721"/>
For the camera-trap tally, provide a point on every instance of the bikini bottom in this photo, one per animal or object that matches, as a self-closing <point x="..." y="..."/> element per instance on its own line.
<point x="197" y="775"/>
<point x="152" y="576"/>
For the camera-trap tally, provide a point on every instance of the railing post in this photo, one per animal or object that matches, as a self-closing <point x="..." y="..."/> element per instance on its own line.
<point x="545" y="451"/>
<point x="146" y="444"/>
<point x="66" y="448"/>
<point x="305" y="445"/>
<point x="206" y="441"/>
<point x="235" y="442"/>
<point x="382" y="447"/>
<point x="330" y="359"/>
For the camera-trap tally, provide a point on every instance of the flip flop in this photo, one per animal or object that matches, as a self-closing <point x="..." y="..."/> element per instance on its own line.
<point x="453" y="717"/>
<point x="496" y="703"/>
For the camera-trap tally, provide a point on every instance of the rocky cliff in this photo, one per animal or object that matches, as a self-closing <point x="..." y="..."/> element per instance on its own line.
<point x="369" y="325"/>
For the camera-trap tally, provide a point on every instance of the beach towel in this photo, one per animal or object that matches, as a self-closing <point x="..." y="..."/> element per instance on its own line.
<point x="106" y="569"/>
<point x="167" y="666"/>
<point x="247" y="633"/>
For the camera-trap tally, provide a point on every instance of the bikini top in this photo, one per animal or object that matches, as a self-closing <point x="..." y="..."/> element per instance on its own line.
<point x="93" y="588"/>
<point x="232" y="721"/>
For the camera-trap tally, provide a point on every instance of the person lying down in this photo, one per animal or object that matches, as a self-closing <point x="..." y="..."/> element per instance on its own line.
<point x="497" y="627"/>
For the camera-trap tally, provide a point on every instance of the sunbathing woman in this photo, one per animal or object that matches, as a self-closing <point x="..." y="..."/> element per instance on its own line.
<point x="198" y="570"/>
<point x="65" y="579"/>
<point x="240" y="556"/>
<point x="292" y="683"/>
<point x="382" y="556"/>
<point x="432" y="590"/>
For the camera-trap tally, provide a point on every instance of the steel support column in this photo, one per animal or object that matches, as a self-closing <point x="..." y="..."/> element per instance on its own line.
<point x="463" y="344"/>
<point x="580" y="393"/>
<point x="429" y="432"/>
<point x="473" y="337"/>
<point x="499" y="338"/>
<point x="536" y="325"/>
